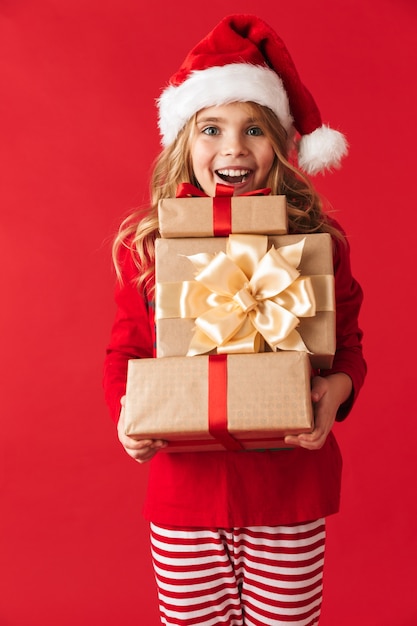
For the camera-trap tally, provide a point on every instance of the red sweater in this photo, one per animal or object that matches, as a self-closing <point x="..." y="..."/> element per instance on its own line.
<point x="232" y="489"/>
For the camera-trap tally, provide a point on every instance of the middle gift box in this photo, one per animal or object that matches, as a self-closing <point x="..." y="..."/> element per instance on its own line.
<point x="245" y="294"/>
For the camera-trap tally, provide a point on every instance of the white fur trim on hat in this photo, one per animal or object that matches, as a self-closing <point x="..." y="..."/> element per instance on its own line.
<point x="322" y="149"/>
<point x="214" y="86"/>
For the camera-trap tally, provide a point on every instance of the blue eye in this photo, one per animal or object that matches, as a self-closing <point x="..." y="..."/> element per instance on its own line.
<point x="211" y="130"/>
<point x="255" y="131"/>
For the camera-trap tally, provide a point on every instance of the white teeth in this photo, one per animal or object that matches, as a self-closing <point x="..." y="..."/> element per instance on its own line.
<point x="233" y="172"/>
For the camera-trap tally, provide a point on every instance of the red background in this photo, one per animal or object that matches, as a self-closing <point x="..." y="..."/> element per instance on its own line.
<point x="78" y="81"/>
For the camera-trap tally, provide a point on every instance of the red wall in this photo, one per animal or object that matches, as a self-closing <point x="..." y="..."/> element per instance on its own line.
<point x="78" y="134"/>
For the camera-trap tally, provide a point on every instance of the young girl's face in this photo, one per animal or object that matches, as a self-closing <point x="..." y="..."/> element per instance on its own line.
<point x="229" y="147"/>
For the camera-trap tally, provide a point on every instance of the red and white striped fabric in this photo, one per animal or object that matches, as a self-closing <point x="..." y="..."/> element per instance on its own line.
<point x="256" y="576"/>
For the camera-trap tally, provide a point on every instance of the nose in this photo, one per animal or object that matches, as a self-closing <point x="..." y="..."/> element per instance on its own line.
<point x="234" y="144"/>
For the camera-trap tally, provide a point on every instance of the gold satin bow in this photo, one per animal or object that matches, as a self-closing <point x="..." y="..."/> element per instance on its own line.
<point x="244" y="296"/>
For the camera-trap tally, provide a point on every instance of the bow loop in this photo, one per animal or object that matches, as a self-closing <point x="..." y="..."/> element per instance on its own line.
<point x="188" y="190"/>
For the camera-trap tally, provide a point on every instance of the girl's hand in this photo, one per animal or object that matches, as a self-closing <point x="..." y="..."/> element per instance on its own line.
<point x="141" y="450"/>
<point x="327" y="394"/>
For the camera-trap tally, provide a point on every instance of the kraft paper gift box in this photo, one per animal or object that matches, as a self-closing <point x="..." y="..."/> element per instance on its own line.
<point x="211" y="402"/>
<point x="178" y="308"/>
<point x="204" y="217"/>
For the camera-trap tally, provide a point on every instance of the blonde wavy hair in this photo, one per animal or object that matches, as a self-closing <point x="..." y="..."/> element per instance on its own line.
<point x="138" y="231"/>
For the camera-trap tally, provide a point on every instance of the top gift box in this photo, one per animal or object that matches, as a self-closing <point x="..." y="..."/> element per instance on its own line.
<point x="222" y="215"/>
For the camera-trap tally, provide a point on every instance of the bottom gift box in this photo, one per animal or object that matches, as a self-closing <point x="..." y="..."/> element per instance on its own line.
<point x="219" y="402"/>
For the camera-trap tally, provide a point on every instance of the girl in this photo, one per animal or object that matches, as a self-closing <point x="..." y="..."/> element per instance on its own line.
<point x="238" y="537"/>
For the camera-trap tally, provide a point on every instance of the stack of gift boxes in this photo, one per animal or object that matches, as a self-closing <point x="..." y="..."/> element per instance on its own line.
<point x="243" y="312"/>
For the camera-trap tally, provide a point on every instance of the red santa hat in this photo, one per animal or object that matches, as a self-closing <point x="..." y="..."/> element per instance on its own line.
<point x="243" y="60"/>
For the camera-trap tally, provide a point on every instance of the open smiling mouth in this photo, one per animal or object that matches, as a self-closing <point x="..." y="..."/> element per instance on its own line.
<point x="233" y="176"/>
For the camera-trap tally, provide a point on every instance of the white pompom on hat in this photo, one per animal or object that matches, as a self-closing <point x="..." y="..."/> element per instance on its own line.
<point x="243" y="60"/>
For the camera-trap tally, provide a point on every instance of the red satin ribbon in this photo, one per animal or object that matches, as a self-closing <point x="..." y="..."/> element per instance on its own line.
<point x="217" y="402"/>
<point x="222" y="214"/>
<point x="222" y="204"/>
<point x="187" y="190"/>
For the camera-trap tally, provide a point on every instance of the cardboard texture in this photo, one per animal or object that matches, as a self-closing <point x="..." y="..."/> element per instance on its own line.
<point x="171" y="265"/>
<point x="169" y="399"/>
<point x="193" y="217"/>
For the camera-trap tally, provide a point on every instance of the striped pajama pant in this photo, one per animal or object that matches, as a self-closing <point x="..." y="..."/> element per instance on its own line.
<point x="256" y="576"/>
